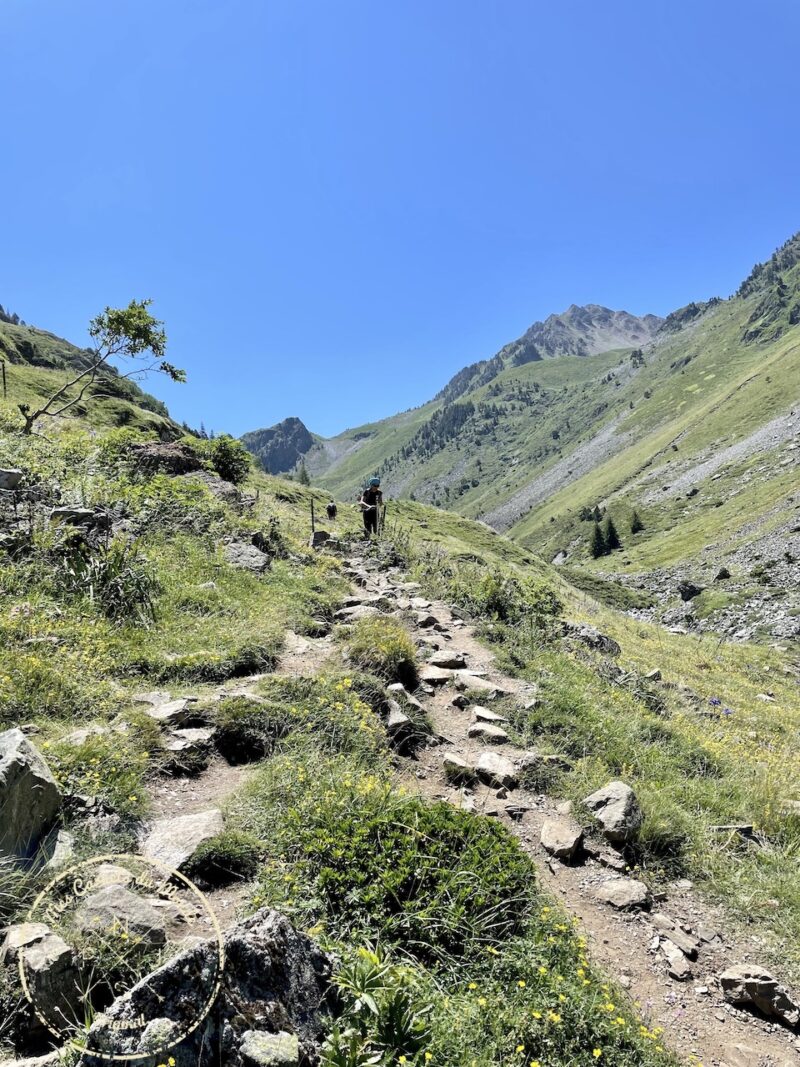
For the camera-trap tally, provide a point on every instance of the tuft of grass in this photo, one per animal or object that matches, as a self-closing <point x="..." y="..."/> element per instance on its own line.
<point x="383" y="646"/>
<point x="232" y="856"/>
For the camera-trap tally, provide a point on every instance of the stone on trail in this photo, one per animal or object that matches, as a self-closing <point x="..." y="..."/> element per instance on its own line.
<point x="420" y="603"/>
<point x="425" y="620"/>
<point x="117" y="908"/>
<point x="29" y="796"/>
<point x="452" y="660"/>
<point x="360" y="611"/>
<point x="749" y="984"/>
<point x="496" y="770"/>
<point x="465" y="680"/>
<point x="626" y="894"/>
<point x="561" y="838"/>
<point x="617" y="810"/>
<point x="107" y="874"/>
<point x="435" y="675"/>
<point x="173" y="713"/>
<point x="192" y="743"/>
<point x="486" y="715"/>
<point x="279" y="975"/>
<point x="669" y="928"/>
<point x="486" y="731"/>
<point x="397" y="722"/>
<point x="259" y="1049"/>
<point x="173" y="841"/>
<point x="679" y="968"/>
<point x="457" y="769"/>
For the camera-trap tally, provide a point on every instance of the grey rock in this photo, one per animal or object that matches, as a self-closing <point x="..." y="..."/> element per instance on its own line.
<point x="496" y="770"/>
<point x="466" y="681"/>
<point x="269" y="1050"/>
<point x="591" y="637"/>
<point x="457" y="769"/>
<point x="452" y="660"/>
<point x="653" y="676"/>
<point x="486" y="714"/>
<point x="689" y="590"/>
<point x="278" y="974"/>
<point x="218" y="487"/>
<point x="108" y="874"/>
<point x="9" y="478"/>
<point x="29" y="796"/>
<point x="688" y="945"/>
<point x="424" y="619"/>
<point x="116" y="907"/>
<point x="538" y="761"/>
<point x="174" y="713"/>
<point x="617" y="810"/>
<point x="561" y="838"/>
<point x="625" y="894"/>
<point x="358" y="611"/>
<point x="246" y="557"/>
<point x="679" y="968"/>
<point x="319" y="537"/>
<point x="50" y="969"/>
<point x="59" y="849"/>
<point x="175" y="840"/>
<point x="486" y="731"/>
<point x="74" y="516"/>
<point x="435" y="675"/>
<point x="749" y="984"/>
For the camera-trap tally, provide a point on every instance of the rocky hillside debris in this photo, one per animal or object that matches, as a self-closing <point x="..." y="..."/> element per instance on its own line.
<point x="497" y="771"/>
<point x="689" y="590"/>
<point x="29" y="796"/>
<point x="617" y="811"/>
<point x="9" y="478"/>
<point x="625" y="894"/>
<point x="173" y="841"/>
<point x="156" y="457"/>
<point x="748" y="985"/>
<point x="225" y="492"/>
<point x="274" y="983"/>
<point x="561" y="838"/>
<point x="591" y="637"/>
<point x="678" y="935"/>
<point x="678" y="965"/>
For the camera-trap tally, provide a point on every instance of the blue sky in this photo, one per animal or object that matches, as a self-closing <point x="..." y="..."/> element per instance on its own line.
<point x="336" y="204"/>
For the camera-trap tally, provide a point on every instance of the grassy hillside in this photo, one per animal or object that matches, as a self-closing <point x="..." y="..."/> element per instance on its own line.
<point x="37" y="363"/>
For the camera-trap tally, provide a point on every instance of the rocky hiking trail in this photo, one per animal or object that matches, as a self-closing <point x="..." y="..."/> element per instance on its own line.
<point x="664" y="944"/>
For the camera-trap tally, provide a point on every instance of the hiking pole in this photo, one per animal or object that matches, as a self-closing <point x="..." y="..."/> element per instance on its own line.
<point x="313" y="527"/>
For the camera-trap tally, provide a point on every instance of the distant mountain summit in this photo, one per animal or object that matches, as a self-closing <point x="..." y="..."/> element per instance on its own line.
<point x="578" y="331"/>
<point x="280" y="447"/>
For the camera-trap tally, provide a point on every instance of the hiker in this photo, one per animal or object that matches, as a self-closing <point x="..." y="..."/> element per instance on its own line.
<point x="371" y="501"/>
<point x="331" y="509"/>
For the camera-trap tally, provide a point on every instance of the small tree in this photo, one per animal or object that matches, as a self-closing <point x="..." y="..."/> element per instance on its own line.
<point x="129" y="333"/>
<point x="610" y="535"/>
<point x="597" y="543"/>
<point x="302" y="475"/>
<point x="230" y="458"/>
<point x="636" y="523"/>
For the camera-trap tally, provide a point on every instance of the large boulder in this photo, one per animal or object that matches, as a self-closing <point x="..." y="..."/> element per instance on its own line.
<point x="173" y="841"/>
<point x="269" y="1002"/>
<point x="749" y="984"/>
<point x="617" y="810"/>
<point x="29" y="796"/>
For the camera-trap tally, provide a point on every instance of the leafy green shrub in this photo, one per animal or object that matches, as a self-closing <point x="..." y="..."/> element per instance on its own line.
<point x="229" y="458"/>
<point x="384" y="647"/>
<point x="231" y="856"/>
<point x="116" y="578"/>
<point x="173" y="504"/>
<point x="248" y="729"/>
<point x="383" y="1016"/>
<point x="432" y="878"/>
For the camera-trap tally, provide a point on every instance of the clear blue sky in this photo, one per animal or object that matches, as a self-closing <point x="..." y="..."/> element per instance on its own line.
<point x="336" y="204"/>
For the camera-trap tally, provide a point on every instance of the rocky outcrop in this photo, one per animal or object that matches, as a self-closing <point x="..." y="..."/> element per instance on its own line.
<point x="279" y="447"/>
<point x="29" y="796"/>
<point x="269" y="1002"/>
<point x="156" y="457"/>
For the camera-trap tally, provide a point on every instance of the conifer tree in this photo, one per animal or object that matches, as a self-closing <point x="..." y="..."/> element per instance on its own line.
<point x="302" y="475"/>
<point x="597" y="543"/>
<point x="610" y="535"/>
<point x="636" y="523"/>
